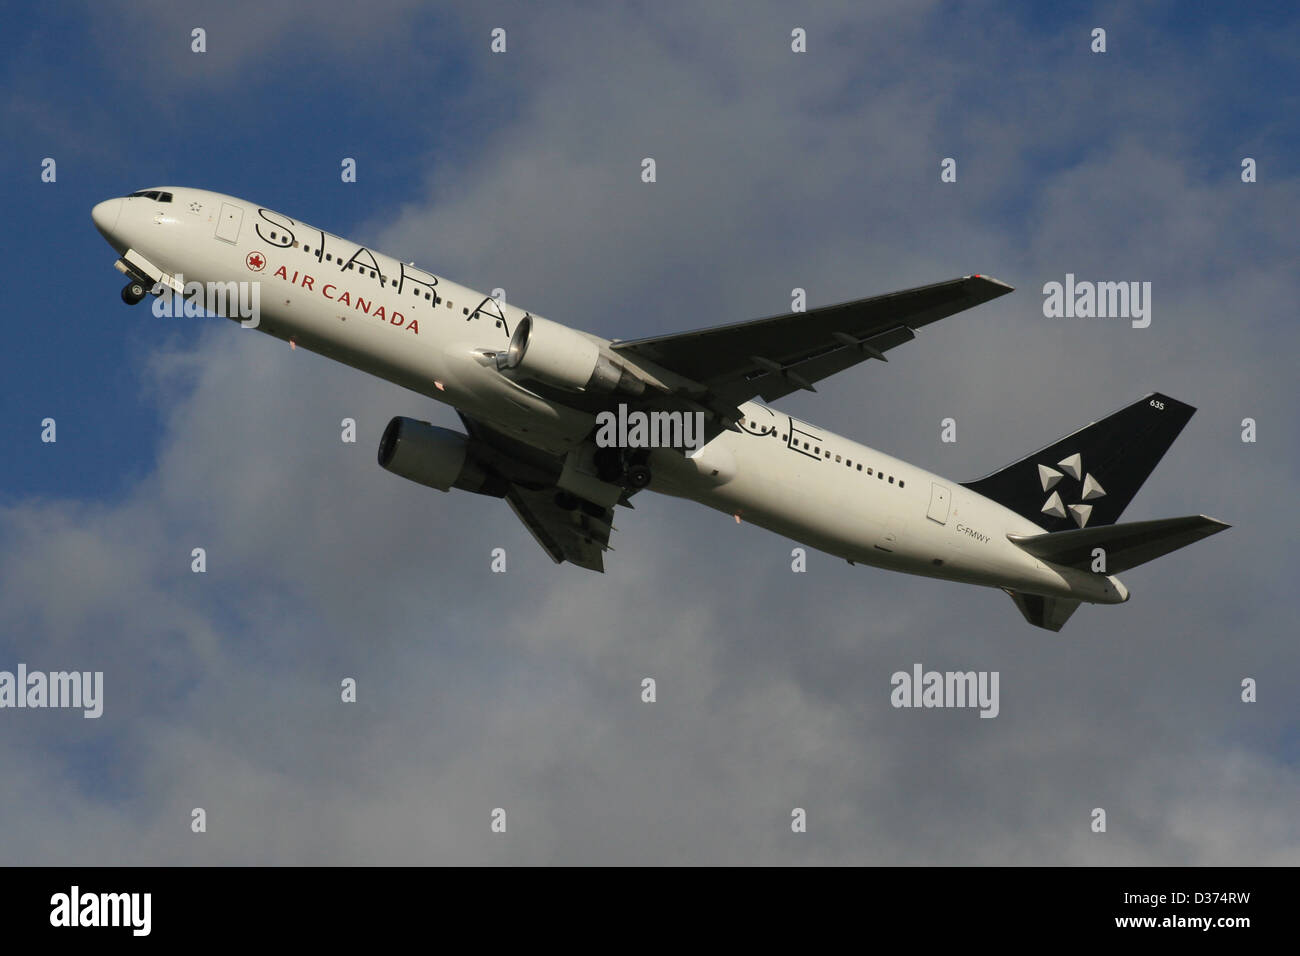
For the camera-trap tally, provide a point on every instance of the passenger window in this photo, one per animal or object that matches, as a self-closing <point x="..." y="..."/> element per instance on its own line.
<point x="860" y="468"/>
<point x="891" y="479"/>
<point x="870" y="472"/>
<point x="164" y="197"/>
<point x="900" y="482"/>
<point x="837" y="457"/>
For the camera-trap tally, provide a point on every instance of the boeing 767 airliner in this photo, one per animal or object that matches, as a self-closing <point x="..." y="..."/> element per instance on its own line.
<point x="566" y="425"/>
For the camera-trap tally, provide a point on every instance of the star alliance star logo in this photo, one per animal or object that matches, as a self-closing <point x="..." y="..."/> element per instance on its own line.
<point x="1091" y="489"/>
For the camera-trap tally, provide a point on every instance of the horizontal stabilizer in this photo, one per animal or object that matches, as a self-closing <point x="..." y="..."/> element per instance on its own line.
<point x="1046" y="612"/>
<point x="1126" y="545"/>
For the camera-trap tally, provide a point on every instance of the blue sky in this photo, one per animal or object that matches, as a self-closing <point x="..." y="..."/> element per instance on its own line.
<point x="242" y="124"/>
<point x="521" y="170"/>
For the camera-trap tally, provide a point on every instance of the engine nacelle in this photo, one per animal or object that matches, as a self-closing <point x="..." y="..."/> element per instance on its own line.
<point x="557" y="355"/>
<point x="437" y="457"/>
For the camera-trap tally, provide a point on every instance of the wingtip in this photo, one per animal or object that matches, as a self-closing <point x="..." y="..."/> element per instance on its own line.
<point x="992" y="281"/>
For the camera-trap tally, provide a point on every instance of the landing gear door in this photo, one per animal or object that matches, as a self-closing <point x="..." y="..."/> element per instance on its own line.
<point x="938" y="504"/>
<point x="228" y="223"/>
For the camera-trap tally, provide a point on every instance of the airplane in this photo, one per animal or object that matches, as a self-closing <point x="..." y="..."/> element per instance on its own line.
<point x="540" y="402"/>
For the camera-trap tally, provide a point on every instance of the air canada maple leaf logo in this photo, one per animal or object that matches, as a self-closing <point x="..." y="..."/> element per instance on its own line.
<point x="1082" y="486"/>
<point x="255" y="261"/>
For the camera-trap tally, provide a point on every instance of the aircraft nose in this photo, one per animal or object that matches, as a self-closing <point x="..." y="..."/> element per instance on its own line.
<point x="105" y="215"/>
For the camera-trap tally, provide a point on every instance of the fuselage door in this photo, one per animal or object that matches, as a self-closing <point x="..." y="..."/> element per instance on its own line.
<point x="938" y="503"/>
<point x="228" y="223"/>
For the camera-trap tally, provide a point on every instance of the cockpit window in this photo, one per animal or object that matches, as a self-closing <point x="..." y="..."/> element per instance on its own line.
<point x="155" y="194"/>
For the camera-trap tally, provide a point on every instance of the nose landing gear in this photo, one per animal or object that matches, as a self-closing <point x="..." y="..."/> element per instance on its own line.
<point x="133" y="292"/>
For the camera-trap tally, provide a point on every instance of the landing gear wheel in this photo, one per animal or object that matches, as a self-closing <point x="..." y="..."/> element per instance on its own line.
<point x="133" y="292"/>
<point x="638" y="476"/>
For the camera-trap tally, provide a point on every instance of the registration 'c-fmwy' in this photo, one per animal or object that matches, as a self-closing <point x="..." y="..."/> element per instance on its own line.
<point x="567" y="426"/>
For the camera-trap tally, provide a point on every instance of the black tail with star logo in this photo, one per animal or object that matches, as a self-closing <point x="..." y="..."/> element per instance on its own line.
<point x="1088" y="478"/>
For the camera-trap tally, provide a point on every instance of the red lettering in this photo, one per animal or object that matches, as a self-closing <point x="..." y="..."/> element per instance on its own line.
<point x="398" y="318"/>
<point x="379" y="312"/>
<point x="363" y="305"/>
<point x="307" y="281"/>
<point x="346" y="298"/>
<point x="281" y="273"/>
<point x="326" y="291"/>
<point x="414" y="326"/>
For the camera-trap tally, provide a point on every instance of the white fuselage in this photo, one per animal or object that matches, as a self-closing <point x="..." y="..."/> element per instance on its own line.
<point x="423" y="332"/>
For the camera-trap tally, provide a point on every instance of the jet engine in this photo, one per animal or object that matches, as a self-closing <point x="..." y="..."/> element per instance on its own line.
<point x="559" y="356"/>
<point x="433" y="456"/>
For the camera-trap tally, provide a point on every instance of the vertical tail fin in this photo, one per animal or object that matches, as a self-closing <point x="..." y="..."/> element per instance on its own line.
<point x="1088" y="478"/>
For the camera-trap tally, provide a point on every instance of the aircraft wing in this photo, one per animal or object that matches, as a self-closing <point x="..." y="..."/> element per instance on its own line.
<point x="578" y="534"/>
<point x="772" y="357"/>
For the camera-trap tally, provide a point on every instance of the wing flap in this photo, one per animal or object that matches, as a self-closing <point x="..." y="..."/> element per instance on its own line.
<point x="578" y="534"/>
<point x="565" y="534"/>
